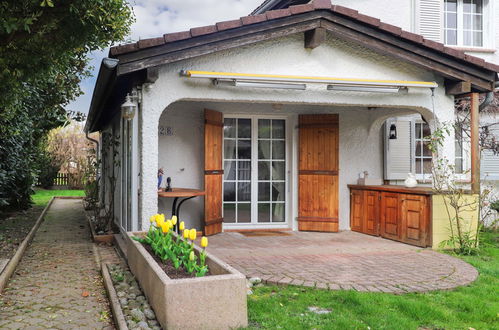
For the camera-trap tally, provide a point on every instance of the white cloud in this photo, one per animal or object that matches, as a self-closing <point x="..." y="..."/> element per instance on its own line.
<point x="155" y="18"/>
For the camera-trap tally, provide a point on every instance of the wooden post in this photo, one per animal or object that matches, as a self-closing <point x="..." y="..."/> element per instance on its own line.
<point x="475" y="148"/>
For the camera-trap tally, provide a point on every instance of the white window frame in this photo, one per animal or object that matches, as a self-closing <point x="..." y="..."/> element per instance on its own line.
<point x="420" y="176"/>
<point x="487" y="25"/>
<point x="254" y="224"/>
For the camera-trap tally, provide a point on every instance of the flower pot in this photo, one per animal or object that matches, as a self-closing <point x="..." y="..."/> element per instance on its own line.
<point x="210" y="302"/>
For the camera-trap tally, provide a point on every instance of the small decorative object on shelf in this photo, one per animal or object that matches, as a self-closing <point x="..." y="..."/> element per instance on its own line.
<point x="168" y="184"/>
<point x="160" y="176"/>
<point x="410" y="181"/>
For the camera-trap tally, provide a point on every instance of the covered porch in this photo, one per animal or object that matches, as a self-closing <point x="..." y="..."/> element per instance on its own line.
<point x="268" y="159"/>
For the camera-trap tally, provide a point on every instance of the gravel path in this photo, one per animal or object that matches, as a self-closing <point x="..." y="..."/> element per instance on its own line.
<point x="57" y="284"/>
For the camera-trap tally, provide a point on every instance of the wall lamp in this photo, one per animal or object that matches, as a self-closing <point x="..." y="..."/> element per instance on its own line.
<point x="299" y="82"/>
<point x="392" y="135"/>
<point x="129" y="108"/>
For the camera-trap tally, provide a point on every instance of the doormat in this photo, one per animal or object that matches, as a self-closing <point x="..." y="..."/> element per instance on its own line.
<point x="264" y="233"/>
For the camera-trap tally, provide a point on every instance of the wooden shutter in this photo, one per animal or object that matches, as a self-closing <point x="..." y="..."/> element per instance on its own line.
<point x="318" y="173"/>
<point x="398" y="152"/>
<point x="429" y="19"/>
<point x="213" y="171"/>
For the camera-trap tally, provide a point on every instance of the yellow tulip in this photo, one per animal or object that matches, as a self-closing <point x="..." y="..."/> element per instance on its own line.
<point x="152" y="218"/>
<point x="204" y="241"/>
<point x="170" y="224"/>
<point x="174" y="220"/>
<point x="160" y="222"/>
<point x="164" y="227"/>
<point x="186" y="233"/>
<point x="182" y="225"/>
<point x="192" y="234"/>
<point x="191" y="256"/>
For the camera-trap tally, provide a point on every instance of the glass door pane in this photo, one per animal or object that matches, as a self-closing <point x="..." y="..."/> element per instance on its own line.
<point x="271" y="170"/>
<point x="237" y="170"/>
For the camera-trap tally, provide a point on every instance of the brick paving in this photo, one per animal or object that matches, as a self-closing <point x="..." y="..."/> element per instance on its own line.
<point x="342" y="261"/>
<point x="57" y="284"/>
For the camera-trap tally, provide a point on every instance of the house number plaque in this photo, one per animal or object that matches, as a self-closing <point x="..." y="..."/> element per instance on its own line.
<point x="165" y="130"/>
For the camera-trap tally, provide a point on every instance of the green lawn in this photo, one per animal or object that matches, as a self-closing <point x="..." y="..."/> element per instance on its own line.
<point x="43" y="196"/>
<point x="475" y="306"/>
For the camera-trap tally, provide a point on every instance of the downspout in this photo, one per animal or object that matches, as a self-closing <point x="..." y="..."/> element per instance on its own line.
<point x="488" y="98"/>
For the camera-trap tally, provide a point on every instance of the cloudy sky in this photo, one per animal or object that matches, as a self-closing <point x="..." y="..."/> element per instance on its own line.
<point x="157" y="17"/>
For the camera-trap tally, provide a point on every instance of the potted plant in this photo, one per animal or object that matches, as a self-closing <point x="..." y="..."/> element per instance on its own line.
<point x="208" y="295"/>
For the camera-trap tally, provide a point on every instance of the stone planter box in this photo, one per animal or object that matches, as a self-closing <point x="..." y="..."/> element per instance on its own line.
<point x="211" y="302"/>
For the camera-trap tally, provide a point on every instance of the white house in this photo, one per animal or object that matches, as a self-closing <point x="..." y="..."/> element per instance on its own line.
<point x="272" y="115"/>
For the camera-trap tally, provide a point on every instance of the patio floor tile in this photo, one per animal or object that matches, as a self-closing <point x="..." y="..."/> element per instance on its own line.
<point x="345" y="260"/>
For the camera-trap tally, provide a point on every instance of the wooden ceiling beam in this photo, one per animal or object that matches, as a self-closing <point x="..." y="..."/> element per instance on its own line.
<point x="314" y="38"/>
<point x="457" y="87"/>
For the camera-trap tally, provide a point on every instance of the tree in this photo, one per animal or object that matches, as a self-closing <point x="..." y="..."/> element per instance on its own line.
<point x="70" y="150"/>
<point x="44" y="47"/>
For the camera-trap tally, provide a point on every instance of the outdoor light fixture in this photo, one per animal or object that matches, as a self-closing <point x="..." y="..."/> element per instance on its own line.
<point x="370" y="88"/>
<point x="128" y="108"/>
<point x="279" y="81"/>
<point x="393" y="132"/>
<point x="258" y="84"/>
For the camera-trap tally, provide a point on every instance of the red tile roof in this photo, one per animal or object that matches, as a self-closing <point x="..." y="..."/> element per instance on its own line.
<point x="294" y="10"/>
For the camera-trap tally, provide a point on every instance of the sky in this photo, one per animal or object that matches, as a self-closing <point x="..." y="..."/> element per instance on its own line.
<point x="153" y="18"/>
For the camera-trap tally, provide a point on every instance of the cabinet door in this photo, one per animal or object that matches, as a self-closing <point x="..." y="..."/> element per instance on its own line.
<point x="415" y="219"/>
<point x="371" y="212"/>
<point x="390" y="215"/>
<point x="356" y="210"/>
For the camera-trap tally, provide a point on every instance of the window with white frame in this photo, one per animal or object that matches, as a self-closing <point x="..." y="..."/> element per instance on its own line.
<point x="459" y="154"/>
<point x="464" y="23"/>
<point x="422" y="152"/>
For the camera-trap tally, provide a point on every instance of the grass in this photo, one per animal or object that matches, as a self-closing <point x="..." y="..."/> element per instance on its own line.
<point x="472" y="307"/>
<point x="43" y="196"/>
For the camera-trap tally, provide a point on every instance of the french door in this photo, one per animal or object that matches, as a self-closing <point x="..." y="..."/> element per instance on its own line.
<point x="255" y="170"/>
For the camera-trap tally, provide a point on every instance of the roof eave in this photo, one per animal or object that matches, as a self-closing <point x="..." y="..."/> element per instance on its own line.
<point x="105" y="79"/>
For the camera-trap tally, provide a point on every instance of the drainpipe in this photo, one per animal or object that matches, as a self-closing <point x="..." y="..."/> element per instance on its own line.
<point x="488" y="98"/>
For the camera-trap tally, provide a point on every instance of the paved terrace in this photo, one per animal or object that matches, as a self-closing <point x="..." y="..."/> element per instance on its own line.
<point x="345" y="260"/>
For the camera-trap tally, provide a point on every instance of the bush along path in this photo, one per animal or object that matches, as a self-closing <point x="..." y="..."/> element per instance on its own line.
<point x="57" y="284"/>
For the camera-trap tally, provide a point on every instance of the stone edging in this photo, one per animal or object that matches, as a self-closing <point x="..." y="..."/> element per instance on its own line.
<point x="119" y="318"/>
<point x="11" y="266"/>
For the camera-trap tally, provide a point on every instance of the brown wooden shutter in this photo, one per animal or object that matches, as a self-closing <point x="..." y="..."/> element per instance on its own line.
<point x="318" y="173"/>
<point x="213" y="171"/>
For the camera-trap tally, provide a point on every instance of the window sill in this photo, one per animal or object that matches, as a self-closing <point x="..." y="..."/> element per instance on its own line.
<point x="473" y="49"/>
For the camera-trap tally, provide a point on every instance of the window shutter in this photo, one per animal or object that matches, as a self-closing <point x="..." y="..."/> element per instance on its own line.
<point x="489" y="165"/>
<point x="489" y="162"/>
<point x="398" y="152"/>
<point x="429" y="19"/>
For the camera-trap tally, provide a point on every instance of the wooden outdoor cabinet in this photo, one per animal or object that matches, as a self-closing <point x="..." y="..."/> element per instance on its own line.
<point x="393" y="212"/>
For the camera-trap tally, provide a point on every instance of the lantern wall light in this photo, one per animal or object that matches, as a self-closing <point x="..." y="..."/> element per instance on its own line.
<point x="129" y="108"/>
<point x="393" y="132"/>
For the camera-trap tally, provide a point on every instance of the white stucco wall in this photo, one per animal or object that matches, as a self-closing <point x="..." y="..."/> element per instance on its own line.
<point x="334" y="58"/>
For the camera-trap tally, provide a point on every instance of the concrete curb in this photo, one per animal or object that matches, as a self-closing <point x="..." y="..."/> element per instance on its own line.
<point x="11" y="266"/>
<point x="119" y="318"/>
